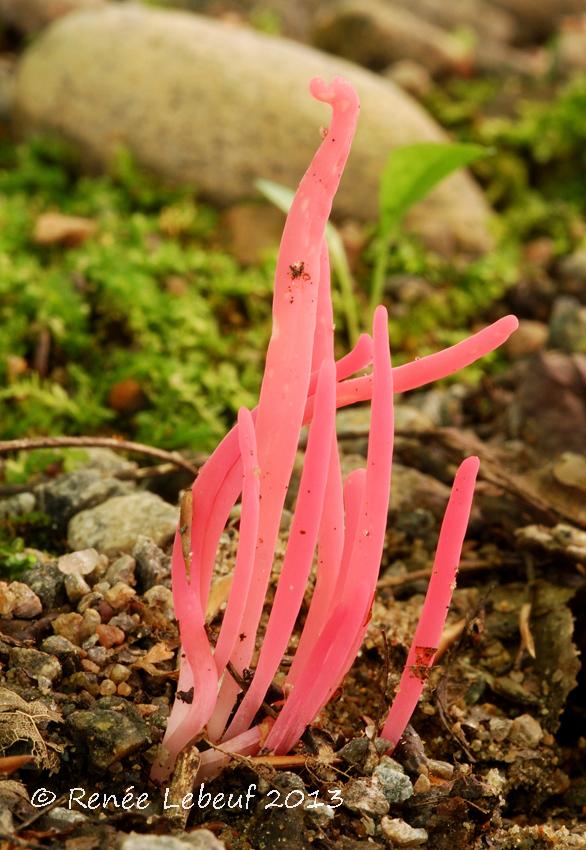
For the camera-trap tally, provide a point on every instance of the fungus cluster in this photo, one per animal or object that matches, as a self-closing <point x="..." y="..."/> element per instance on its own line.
<point x="338" y="526"/>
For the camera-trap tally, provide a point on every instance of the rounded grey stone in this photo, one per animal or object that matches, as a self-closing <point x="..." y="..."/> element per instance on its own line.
<point x="116" y="525"/>
<point x="395" y="784"/>
<point x="217" y="107"/>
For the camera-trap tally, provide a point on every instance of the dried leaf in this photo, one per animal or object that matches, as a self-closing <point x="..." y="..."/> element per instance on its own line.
<point x="527" y="642"/>
<point x="185" y="529"/>
<point x="218" y="595"/>
<point x="156" y="655"/>
<point x="54" y="228"/>
<point x="451" y="633"/>
<point x="20" y="721"/>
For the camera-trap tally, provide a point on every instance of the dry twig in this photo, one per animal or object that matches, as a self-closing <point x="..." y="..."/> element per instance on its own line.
<point x="32" y="443"/>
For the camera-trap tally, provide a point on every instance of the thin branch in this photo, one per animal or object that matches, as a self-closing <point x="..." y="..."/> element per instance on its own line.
<point x="20" y="842"/>
<point x="40" y="812"/>
<point x="417" y="575"/>
<point x="32" y="443"/>
<point x="244" y="684"/>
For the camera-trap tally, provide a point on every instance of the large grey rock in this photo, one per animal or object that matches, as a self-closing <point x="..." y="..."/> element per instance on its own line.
<point x="480" y="16"/>
<point x="540" y="18"/>
<point x="201" y="102"/>
<point x="116" y="525"/>
<point x="75" y="491"/>
<point x="393" y="780"/>
<point x="375" y="34"/>
<point x="48" y="583"/>
<point x="107" y="736"/>
<point x="199" y="839"/>
<point x="30" y="16"/>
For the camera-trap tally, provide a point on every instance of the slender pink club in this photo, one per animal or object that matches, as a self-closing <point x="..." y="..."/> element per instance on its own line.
<point x="437" y="602"/>
<point x="249" y="519"/>
<point x="357" y="579"/>
<point x="345" y="526"/>
<point x="299" y="555"/>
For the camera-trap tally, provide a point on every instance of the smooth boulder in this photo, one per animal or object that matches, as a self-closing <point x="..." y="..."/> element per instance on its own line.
<point x="217" y="106"/>
<point x="537" y="18"/>
<point x="31" y="16"/>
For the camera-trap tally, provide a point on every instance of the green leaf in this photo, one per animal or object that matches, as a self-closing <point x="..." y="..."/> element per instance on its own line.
<point x="412" y="172"/>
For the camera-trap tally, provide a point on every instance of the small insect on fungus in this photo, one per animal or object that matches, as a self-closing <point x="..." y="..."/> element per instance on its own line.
<point x="297" y="270"/>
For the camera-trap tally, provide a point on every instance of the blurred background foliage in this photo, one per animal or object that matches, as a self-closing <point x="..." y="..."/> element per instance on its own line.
<point x="152" y="329"/>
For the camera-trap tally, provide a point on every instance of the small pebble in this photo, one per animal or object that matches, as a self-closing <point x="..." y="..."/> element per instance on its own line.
<point x="119" y="596"/>
<point x="124" y="621"/>
<point x="47" y="581"/>
<point x="106" y="611"/>
<point x="84" y="681"/>
<point x="525" y="731"/>
<point x="393" y="780"/>
<point x="90" y="666"/>
<point x="365" y="796"/>
<point x="401" y="834"/>
<point x="161" y="598"/>
<point x="119" y="673"/>
<point x="83" y="562"/>
<point x="499" y="728"/>
<point x="146" y="710"/>
<point x="360" y="753"/>
<point x="443" y="769"/>
<point x="322" y="816"/>
<point x="90" y="600"/>
<point x="529" y="338"/>
<point x="422" y="784"/>
<point x="19" y="504"/>
<point x="152" y="564"/>
<point x="124" y="689"/>
<point x="89" y="623"/>
<point x="198" y="839"/>
<point x="108" y="736"/>
<point x="68" y="626"/>
<point x="122" y="569"/>
<point x="62" y="820"/>
<point x="26" y="602"/>
<point x="40" y="666"/>
<point x="7" y="600"/>
<point x="98" y="654"/>
<point x="76" y="587"/>
<point x="107" y="688"/>
<point x="60" y="646"/>
<point x="109" y="635"/>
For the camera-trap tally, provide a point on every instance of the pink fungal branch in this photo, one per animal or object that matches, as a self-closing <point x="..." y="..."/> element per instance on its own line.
<point x="338" y="525"/>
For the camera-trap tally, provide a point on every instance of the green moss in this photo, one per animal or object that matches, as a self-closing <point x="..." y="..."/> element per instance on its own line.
<point x="539" y="132"/>
<point x="145" y="298"/>
<point x="38" y="531"/>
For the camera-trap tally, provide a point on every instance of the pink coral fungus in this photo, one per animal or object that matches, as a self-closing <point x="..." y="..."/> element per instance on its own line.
<point x="339" y="525"/>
